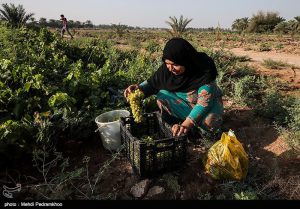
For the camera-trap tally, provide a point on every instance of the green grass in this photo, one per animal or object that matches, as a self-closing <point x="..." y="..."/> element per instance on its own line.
<point x="272" y="64"/>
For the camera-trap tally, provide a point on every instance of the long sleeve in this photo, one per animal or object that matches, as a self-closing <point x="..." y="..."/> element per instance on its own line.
<point x="147" y="89"/>
<point x="205" y="100"/>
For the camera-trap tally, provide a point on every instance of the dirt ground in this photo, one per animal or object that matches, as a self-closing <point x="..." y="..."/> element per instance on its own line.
<point x="290" y="75"/>
<point x="260" y="56"/>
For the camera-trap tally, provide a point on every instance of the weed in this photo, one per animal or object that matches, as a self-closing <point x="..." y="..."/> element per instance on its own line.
<point x="237" y="190"/>
<point x="172" y="183"/>
<point x="245" y="195"/>
<point x="247" y="88"/>
<point x="272" y="64"/>
<point x="46" y="160"/>
<point x="63" y="184"/>
<point x="264" y="47"/>
<point x="281" y="188"/>
<point x="152" y="46"/>
<point x="292" y="138"/>
<point x="243" y="58"/>
<point x="275" y="106"/>
<point x="204" y="196"/>
<point x="278" y="46"/>
<point x="242" y="71"/>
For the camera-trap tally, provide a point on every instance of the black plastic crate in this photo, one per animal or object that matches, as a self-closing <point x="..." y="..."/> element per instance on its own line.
<point x="166" y="153"/>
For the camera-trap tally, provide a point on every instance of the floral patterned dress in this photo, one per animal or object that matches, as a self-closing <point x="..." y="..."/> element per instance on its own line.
<point x="203" y="106"/>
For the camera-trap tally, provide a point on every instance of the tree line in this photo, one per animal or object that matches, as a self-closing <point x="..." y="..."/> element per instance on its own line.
<point x="262" y="22"/>
<point x="267" y="22"/>
<point x="16" y="16"/>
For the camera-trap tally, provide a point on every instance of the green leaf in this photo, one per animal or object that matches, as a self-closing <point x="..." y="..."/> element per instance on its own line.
<point x="27" y="86"/>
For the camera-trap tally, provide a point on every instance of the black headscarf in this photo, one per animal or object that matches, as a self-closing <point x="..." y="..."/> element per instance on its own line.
<point x="200" y="69"/>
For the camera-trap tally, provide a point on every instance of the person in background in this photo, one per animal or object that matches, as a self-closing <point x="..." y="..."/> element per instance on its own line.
<point x="65" y="26"/>
<point x="186" y="89"/>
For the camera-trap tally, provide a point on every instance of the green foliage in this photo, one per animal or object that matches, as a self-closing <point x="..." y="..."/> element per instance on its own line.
<point x="288" y="27"/>
<point x="15" y="137"/>
<point x="60" y="181"/>
<point x="245" y="195"/>
<point x="73" y="83"/>
<point x="51" y="90"/>
<point x="178" y="25"/>
<point x="275" y="106"/>
<point x="294" y="111"/>
<point x="13" y="132"/>
<point x="61" y="100"/>
<point x="278" y="46"/>
<point x="296" y="25"/>
<point x="233" y="190"/>
<point x="263" y="47"/>
<point x="247" y="89"/>
<point x="47" y="159"/>
<point x="149" y="104"/>
<point x="243" y="70"/>
<point x="240" y="24"/>
<point x="284" y="27"/>
<point x="272" y="64"/>
<point x="15" y="15"/>
<point x="291" y="136"/>
<point x="225" y="63"/>
<point x="263" y="22"/>
<point x="141" y="68"/>
<point x="237" y="80"/>
<point x="291" y="133"/>
<point x="172" y="183"/>
<point x="120" y="29"/>
<point x="152" y="46"/>
<point x="204" y="196"/>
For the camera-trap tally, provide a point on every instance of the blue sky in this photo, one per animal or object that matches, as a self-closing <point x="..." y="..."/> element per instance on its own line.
<point x="154" y="13"/>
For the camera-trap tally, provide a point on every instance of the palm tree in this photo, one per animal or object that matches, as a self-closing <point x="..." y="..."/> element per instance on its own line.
<point x="178" y="26"/>
<point x="240" y="24"/>
<point x="297" y="24"/>
<point x="15" y="15"/>
<point x="120" y="29"/>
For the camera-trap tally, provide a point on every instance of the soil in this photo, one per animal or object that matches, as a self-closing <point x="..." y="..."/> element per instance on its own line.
<point x="288" y="74"/>
<point x="292" y="59"/>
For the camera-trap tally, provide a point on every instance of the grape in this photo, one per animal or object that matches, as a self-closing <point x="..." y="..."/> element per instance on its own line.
<point x="135" y="100"/>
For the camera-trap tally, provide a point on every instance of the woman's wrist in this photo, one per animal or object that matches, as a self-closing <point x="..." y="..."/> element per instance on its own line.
<point x="182" y="128"/>
<point x="188" y="123"/>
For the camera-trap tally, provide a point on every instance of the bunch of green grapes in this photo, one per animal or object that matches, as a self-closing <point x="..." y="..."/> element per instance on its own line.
<point x="135" y="101"/>
<point x="148" y="140"/>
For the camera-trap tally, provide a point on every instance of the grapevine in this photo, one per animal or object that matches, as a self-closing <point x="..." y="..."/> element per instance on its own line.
<point x="135" y="100"/>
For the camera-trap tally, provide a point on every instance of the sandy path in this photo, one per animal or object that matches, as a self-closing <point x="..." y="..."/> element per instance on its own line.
<point x="292" y="76"/>
<point x="260" y="56"/>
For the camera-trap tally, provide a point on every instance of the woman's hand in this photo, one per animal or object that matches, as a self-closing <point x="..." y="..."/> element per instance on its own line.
<point x="178" y="129"/>
<point x="130" y="89"/>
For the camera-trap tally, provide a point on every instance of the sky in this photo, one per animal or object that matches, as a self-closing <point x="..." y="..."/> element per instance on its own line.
<point x="155" y="13"/>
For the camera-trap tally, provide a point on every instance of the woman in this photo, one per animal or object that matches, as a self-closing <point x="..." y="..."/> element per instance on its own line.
<point x="186" y="89"/>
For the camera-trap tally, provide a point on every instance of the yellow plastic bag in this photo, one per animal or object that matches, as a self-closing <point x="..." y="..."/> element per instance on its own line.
<point x="227" y="159"/>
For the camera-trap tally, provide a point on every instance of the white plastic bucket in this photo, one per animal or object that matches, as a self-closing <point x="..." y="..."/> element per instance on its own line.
<point x="109" y="128"/>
